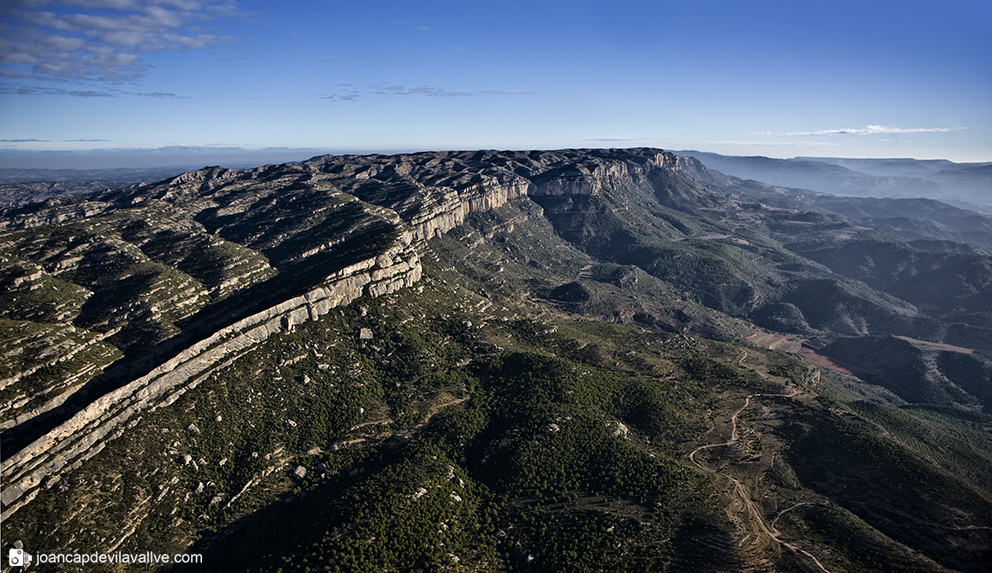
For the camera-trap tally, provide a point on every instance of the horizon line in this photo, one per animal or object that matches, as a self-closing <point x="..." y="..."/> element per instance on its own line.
<point x="185" y="156"/>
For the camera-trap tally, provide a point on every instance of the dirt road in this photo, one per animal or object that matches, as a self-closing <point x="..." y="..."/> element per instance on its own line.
<point x="741" y="492"/>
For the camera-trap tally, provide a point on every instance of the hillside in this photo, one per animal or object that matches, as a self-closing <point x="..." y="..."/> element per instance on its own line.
<point x="492" y="361"/>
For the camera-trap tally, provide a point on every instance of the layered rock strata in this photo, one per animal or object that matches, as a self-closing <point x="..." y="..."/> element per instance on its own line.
<point x="384" y="209"/>
<point x="87" y="433"/>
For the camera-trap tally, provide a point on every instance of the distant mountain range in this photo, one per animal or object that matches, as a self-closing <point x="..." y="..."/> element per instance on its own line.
<point x="967" y="185"/>
<point x="188" y="157"/>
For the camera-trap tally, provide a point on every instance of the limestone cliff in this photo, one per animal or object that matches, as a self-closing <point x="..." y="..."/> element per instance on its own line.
<point x="291" y="241"/>
<point x="229" y="363"/>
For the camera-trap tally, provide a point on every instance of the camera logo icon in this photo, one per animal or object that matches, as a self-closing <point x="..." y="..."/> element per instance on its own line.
<point x="18" y="558"/>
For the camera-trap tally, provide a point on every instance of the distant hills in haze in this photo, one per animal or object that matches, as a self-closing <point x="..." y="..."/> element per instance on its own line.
<point x="27" y="176"/>
<point x="967" y="185"/>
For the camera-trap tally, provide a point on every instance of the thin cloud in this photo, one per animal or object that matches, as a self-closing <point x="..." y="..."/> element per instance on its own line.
<point x="55" y="141"/>
<point x="339" y="97"/>
<point x="509" y="92"/>
<point x="20" y="89"/>
<point x="102" y="40"/>
<point x="165" y="95"/>
<point x="386" y="88"/>
<point x="769" y="143"/>
<point x="349" y="93"/>
<point x="873" y="130"/>
<point x="390" y="89"/>
<point x="12" y="89"/>
<point x="437" y="92"/>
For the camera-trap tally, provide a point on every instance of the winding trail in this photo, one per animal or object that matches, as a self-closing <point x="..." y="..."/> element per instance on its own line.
<point x="769" y="529"/>
<point x="784" y="511"/>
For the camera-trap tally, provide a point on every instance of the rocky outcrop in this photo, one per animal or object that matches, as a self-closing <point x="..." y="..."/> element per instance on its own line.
<point x="55" y="211"/>
<point x="74" y="355"/>
<point x="434" y="192"/>
<point x="87" y="433"/>
<point x="446" y="208"/>
<point x="374" y="213"/>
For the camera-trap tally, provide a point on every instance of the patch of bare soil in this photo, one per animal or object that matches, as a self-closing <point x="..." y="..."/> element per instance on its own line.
<point x="925" y="345"/>
<point x="810" y="356"/>
<point x="776" y="342"/>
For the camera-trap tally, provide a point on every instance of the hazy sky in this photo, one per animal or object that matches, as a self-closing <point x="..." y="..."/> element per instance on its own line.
<point x="837" y="78"/>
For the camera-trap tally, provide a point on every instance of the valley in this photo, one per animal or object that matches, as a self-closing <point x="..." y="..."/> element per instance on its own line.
<point x="573" y="360"/>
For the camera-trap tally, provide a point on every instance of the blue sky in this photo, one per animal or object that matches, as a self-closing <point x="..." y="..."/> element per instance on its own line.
<point x="782" y="79"/>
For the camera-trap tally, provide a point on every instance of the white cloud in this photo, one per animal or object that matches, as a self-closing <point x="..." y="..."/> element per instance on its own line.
<point x="65" y="40"/>
<point x="773" y="144"/>
<point x="872" y="130"/>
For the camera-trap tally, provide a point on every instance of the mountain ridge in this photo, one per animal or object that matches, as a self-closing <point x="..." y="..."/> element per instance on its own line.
<point x="392" y="324"/>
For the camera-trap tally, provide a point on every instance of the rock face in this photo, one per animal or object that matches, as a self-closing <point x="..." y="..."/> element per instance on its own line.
<point x="83" y="436"/>
<point x="119" y="302"/>
<point x="241" y="255"/>
<point x="179" y="356"/>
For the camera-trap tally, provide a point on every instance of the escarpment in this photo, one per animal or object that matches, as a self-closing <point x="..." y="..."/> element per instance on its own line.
<point x="386" y="260"/>
<point x="170" y="282"/>
<point x="86" y="433"/>
<point x="232" y="364"/>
